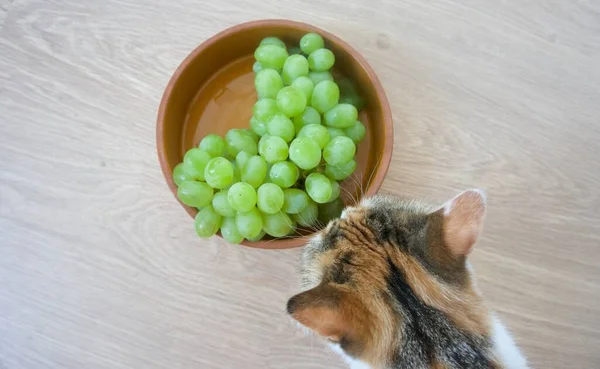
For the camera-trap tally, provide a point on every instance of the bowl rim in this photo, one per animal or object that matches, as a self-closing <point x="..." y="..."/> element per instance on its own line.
<point x="384" y="162"/>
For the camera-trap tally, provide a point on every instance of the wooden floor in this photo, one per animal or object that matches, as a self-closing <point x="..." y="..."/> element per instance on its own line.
<point x="100" y="267"/>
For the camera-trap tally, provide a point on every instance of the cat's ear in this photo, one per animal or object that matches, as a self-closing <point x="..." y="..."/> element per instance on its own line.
<point x="463" y="221"/>
<point x="327" y="311"/>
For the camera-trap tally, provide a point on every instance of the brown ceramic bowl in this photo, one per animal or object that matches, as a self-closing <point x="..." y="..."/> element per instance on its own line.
<point x="212" y="91"/>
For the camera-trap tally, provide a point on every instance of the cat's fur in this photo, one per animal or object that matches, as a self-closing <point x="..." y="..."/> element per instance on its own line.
<point x="389" y="286"/>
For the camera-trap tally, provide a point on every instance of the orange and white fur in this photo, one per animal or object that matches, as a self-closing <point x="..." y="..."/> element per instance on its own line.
<point x="388" y="285"/>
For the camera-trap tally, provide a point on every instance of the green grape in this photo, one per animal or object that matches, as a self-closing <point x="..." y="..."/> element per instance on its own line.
<point x="341" y="116"/>
<point x="229" y="231"/>
<point x="268" y="82"/>
<point x="325" y="96"/>
<point x="349" y="93"/>
<point x="271" y="56"/>
<point x="335" y="191"/>
<point x="321" y="60"/>
<point x="308" y="116"/>
<point x="221" y="204"/>
<point x="257" y="67"/>
<point x="241" y="158"/>
<point x="181" y="173"/>
<point x="295" y="200"/>
<point x="305" y="153"/>
<point x="294" y="225"/>
<point x="260" y="236"/>
<point x="305" y="85"/>
<point x="318" y="77"/>
<point x="270" y="198"/>
<point x="318" y="187"/>
<point x="355" y="100"/>
<point x="291" y="101"/>
<point x="311" y="42"/>
<point x="195" y="161"/>
<point x="294" y="50"/>
<point x="213" y="144"/>
<point x="264" y="109"/>
<point x="295" y="66"/>
<point x="272" y="41"/>
<point x="335" y="132"/>
<point x="281" y="126"/>
<point x="317" y="133"/>
<point x="207" y="222"/>
<point x="273" y="148"/>
<point x="277" y="225"/>
<point x="347" y="87"/>
<point x="219" y="173"/>
<point x="308" y="216"/>
<point x="357" y="132"/>
<point x="339" y="150"/>
<point x="241" y="196"/>
<point x="284" y="174"/>
<point x="236" y="174"/>
<point x="238" y="140"/>
<point x="249" y="223"/>
<point x="340" y="172"/>
<point x="254" y="171"/>
<point x="250" y="133"/>
<point x="258" y="126"/>
<point x="330" y="210"/>
<point x="195" y="194"/>
<point x="305" y="173"/>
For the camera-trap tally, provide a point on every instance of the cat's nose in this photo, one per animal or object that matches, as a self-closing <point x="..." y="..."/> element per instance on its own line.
<point x="292" y="305"/>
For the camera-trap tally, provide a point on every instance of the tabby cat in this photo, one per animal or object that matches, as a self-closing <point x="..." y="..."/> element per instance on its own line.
<point x="389" y="286"/>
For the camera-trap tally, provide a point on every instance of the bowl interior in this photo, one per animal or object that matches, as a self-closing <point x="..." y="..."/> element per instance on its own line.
<point x="213" y="91"/>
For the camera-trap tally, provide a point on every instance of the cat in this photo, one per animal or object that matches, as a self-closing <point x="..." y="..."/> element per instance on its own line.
<point x="388" y="285"/>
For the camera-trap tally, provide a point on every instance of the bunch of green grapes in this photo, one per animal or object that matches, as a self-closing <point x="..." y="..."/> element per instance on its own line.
<point x="285" y="170"/>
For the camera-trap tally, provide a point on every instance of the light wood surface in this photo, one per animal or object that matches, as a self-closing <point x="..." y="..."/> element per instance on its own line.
<point x="100" y="268"/>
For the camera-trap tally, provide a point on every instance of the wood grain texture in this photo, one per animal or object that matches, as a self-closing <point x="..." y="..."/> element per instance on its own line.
<point x="100" y="268"/>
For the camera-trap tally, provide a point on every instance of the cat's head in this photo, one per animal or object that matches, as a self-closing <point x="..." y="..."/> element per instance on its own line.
<point x="389" y="282"/>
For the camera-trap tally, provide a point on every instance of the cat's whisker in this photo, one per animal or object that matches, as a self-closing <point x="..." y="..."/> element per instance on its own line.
<point x="351" y="176"/>
<point x="359" y="185"/>
<point x="350" y="196"/>
<point x="294" y="229"/>
<point x="373" y="172"/>
<point x="310" y="227"/>
<point x="365" y="187"/>
<point x="311" y="348"/>
<point x="284" y="237"/>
